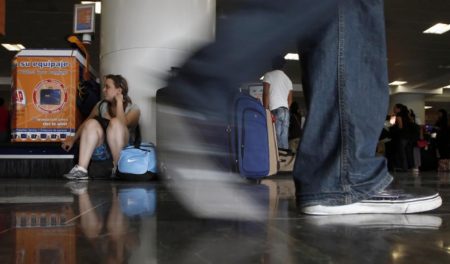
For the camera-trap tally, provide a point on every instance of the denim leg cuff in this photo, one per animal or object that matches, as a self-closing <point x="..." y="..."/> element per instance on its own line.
<point x="342" y="198"/>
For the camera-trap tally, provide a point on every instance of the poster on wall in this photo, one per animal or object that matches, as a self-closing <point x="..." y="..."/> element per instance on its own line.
<point x="84" y="19"/>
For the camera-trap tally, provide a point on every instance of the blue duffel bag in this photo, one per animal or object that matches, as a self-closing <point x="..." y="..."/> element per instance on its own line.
<point x="137" y="163"/>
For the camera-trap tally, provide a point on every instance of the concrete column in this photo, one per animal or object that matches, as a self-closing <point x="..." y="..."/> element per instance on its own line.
<point x="143" y="39"/>
<point x="416" y="102"/>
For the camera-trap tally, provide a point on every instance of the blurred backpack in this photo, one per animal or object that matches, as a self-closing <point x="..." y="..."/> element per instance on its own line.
<point x="88" y="96"/>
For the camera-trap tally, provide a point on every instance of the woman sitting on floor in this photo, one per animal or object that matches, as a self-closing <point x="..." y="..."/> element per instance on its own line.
<point x="109" y="127"/>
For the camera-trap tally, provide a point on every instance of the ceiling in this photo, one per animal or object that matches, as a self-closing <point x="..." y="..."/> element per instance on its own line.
<point x="423" y="60"/>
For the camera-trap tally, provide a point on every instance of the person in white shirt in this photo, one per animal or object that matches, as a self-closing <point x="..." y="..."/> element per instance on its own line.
<point x="277" y="97"/>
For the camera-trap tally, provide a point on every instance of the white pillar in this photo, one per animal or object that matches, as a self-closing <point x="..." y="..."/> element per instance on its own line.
<point x="416" y="102"/>
<point x="143" y="39"/>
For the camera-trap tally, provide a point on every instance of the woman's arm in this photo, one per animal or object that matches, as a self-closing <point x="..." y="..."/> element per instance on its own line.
<point x="68" y="143"/>
<point x="130" y="119"/>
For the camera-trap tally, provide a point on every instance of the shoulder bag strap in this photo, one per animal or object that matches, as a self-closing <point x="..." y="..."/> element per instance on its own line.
<point x="100" y="108"/>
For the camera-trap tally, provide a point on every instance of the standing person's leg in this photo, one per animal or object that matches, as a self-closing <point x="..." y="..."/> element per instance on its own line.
<point x="348" y="99"/>
<point x="336" y="168"/>
<point x="282" y="126"/>
<point x="417" y="159"/>
<point x="404" y="154"/>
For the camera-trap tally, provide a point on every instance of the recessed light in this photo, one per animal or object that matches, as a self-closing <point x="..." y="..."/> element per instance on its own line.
<point x="292" y="56"/>
<point x="398" y="83"/>
<point x="13" y="47"/>
<point x="439" y="28"/>
<point x="98" y="5"/>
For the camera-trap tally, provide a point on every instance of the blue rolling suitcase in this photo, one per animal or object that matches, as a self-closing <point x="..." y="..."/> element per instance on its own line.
<point x="249" y="137"/>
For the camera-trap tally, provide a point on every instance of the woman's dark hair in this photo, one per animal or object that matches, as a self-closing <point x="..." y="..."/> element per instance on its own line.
<point x="404" y="115"/>
<point x="402" y="107"/>
<point x="121" y="82"/>
<point x="404" y="112"/>
<point x="413" y="116"/>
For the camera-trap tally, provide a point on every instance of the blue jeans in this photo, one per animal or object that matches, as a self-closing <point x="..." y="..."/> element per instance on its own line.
<point x="282" y="126"/>
<point x="342" y="43"/>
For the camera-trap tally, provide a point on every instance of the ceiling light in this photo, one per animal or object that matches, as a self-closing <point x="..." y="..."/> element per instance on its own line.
<point x="439" y="28"/>
<point x="13" y="47"/>
<point x="98" y="5"/>
<point x="398" y="83"/>
<point x="292" y="56"/>
<point x="428" y="107"/>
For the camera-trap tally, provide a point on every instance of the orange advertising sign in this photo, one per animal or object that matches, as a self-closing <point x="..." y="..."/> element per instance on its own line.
<point x="44" y="97"/>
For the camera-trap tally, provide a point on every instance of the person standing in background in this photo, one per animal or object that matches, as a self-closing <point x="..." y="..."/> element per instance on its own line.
<point x="277" y="97"/>
<point x="4" y="122"/>
<point x="417" y="134"/>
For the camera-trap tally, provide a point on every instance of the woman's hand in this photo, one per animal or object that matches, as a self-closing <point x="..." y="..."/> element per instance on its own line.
<point x="119" y="98"/>
<point x="68" y="143"/>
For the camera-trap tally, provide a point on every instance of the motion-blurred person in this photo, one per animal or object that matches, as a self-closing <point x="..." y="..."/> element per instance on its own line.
<point x="277" y="97"/>
<point x="346" y="87"/>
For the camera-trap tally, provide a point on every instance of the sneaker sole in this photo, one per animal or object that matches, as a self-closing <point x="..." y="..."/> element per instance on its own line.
<point x="76" y="178"/>
<point x="68" y="177"/>
<point x="384" y="221"/>
<point x="378" y="207"/>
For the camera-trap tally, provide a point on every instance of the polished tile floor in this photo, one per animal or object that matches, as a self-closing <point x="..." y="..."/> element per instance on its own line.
<point x="50" y="221"/>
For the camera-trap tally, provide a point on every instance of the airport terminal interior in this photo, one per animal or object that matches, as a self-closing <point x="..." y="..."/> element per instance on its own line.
<point x="45" y="218"/>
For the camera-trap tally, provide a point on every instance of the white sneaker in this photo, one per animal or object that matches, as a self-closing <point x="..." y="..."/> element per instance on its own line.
<point x="76" y="173"/>
<point x="385" y="202"/>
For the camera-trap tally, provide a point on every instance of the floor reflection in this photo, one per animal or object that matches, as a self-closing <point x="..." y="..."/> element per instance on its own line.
<point x="48" y="221"/>
<point x="111" y="221"/>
